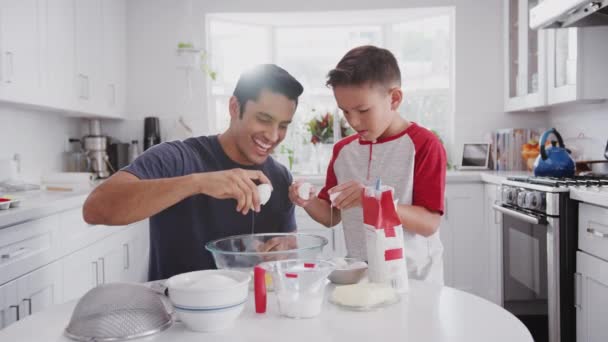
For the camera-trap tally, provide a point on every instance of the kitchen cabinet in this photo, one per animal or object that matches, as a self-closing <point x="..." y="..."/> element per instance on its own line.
<point x="30" y="294"/>
<point x="114" y="23"/>
<point x="525" y="56"/>
<point x="493" y="236"/>
<point x="120" y="257"/>
<point x="20" y="45"/>
<point x="60" y="67"/>
<point x="577" y="64"/>
<point x="591" y="298"/>
<point x="463" y="235"/>
<point x="335" y="236"/>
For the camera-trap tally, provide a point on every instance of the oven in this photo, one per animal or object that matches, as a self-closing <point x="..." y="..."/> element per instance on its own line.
<point x="539" y="256"/>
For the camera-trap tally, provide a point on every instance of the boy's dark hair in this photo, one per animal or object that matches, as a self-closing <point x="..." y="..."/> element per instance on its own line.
<point x="266" y="76"/>
<point x="365" y="64"/>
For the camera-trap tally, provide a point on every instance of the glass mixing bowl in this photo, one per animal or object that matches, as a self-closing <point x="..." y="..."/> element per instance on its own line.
<point x="243" y="252"/>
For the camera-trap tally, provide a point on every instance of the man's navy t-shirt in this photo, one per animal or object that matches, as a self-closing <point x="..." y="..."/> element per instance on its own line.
<point x="179" y="233"/>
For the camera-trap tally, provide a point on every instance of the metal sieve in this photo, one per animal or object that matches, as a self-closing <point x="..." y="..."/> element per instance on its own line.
<point x="118" y="312"/>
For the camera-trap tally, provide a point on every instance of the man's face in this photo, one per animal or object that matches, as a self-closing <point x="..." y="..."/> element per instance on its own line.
<point x="262" y="126"/>
<point x="368" y="109"/>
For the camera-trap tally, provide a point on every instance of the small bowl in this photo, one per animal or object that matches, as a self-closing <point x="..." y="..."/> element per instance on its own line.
<point x="15" y="203"/>
<point x="5" y="203"/>
<point x="208" y="309"/>
<point x="348" y="275"/>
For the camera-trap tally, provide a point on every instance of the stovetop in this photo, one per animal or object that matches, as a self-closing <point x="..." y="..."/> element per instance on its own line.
<point x="577" y="181"/>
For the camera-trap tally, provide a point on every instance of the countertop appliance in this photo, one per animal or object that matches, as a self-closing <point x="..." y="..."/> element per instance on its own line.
<point x="569" y="13"/>
<point x="539" y="252"/>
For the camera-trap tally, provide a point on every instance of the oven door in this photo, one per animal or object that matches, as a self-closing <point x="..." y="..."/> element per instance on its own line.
<point x="526" y="239"/>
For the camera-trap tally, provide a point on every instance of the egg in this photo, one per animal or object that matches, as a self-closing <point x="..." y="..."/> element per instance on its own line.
<point x="264" y="191"/>
<point x="332" y="196"/>
<point x="304" y="191"/>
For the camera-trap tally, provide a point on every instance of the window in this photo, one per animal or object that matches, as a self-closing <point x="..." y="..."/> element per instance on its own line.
<point x="309" y="44"/>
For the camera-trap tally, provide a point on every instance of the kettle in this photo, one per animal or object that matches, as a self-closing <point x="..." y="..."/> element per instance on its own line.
<point x="554" y="161"/>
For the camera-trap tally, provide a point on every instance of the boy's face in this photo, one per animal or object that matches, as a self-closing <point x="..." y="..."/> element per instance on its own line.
<point x="262" y="126"/>
<point x="369" y="109"/>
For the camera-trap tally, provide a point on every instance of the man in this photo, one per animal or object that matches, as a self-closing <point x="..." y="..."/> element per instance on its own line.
<point x="204" y="188"/>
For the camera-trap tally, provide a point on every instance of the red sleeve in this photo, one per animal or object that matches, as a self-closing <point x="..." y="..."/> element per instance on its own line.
<point x="330" y="179"/>
<point x="430" y="166"/>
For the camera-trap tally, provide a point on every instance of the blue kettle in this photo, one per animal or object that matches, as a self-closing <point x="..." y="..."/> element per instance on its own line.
<point x="555" y="161"/>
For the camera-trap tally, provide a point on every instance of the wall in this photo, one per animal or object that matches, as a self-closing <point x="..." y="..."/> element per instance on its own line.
<point x="38" y="136"/>
<point x="589" y="119"/>
<point x="157" y="88"/>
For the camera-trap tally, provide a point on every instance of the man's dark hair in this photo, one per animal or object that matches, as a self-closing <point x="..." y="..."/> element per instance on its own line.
<point x="365" y="64"/>
<point x="266" y="76"/>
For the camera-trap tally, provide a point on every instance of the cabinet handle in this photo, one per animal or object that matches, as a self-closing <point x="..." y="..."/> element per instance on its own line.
<point x="9" y="63"/>
<point x="596" y="233"/>
<point x="103" y="270"/>
<point x="14" y="254"/>
<point x="497" y="217"/>
<point x="126" y="261"/>
<point x="84" y="86"/>
<point x="16" y="307"/>
<point x="96" y="270"/>
<point x="29" y="305"/>
<point x="577" y="289"/>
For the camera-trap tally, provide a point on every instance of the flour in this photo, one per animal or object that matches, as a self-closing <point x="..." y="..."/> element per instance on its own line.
<point x="300" y="305"/>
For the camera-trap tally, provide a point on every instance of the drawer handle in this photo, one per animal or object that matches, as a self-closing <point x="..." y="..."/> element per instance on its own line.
<point x="29" y="305"/>
<point x="14" y="254"/>
<point x="596" y="233"/>
<point x="16" y="307"/>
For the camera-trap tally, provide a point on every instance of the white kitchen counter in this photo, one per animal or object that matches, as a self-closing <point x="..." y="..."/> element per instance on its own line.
<point x="597" y="196"/>
<point x="41" y="203"/>
<point x="428" y="313"/>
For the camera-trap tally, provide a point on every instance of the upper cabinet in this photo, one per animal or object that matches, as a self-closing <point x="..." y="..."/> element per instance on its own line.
<point x="20" y="50"/>
<point x="68" y="55"/>
<point x="551" y="66"/>
<point x="525" y="52"/>
<point x="577" y="64"/>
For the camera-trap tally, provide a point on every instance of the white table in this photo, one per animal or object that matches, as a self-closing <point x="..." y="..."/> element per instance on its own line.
<point x="427" y="313"/>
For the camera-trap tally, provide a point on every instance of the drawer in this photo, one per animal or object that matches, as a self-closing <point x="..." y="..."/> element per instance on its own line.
<point x="27" y="246"/>
<point x="593" y="230"/>
<point x="75" y="233"/>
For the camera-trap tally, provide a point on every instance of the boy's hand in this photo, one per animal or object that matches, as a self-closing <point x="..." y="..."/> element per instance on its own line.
<point x="235" y="183"/>
<point x="295" y="197"/>
<point x="350" y="195"/>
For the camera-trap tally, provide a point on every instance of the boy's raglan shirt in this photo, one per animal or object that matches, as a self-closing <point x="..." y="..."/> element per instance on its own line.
<point x="413" y="162"/>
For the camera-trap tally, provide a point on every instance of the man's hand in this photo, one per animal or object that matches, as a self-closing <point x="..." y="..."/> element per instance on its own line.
<point x="350" y="195"/>
<point x="295" y="197"/>
<point x="234" y="183"/>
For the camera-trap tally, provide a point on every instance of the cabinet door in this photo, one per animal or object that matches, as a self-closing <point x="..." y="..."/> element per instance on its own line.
<point x="21" y="50"/>
<point x="40" y="289"/>
<point x="88" y="78"/>
<point x="591" y="298"/>
<point x="306" y="224"/>
<point x="60" y="66"/>
<point x="462" y="234"/>
<point x="10" y="311"/>
<point x="525" y="53"/>
<point x="111" y="260"/>
<point x="80" y="272"/>
<point x="137" y="252"/>
<point x="493" y="231"/>
<point x="114" y="54"/>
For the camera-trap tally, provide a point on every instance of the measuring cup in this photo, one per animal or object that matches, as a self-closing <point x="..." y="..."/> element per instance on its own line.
<point x="298" y="284"/>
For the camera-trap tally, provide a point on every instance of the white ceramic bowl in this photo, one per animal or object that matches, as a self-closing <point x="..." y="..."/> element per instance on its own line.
<point x="208" y="308"/>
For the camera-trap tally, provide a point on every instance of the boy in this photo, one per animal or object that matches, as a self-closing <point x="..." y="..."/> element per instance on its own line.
<point x="367" y="87"/>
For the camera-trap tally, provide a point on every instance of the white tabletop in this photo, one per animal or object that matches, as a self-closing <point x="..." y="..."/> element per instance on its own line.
<point x="427" y="313"/>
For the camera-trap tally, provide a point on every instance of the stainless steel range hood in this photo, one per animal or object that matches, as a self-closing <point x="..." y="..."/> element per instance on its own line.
<point x="569" y="13"/>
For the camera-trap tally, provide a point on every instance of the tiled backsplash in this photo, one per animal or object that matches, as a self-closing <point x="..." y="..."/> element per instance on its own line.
<point x="584" y="126"/>
<point x="40" y="137"/>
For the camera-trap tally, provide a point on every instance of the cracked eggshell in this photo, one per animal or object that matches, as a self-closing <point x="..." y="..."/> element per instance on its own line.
<point x="264" y="191"/>
<point x="304" y="191"/>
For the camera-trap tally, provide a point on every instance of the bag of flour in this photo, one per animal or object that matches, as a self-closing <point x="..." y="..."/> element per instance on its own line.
<point x="384" y="238"/>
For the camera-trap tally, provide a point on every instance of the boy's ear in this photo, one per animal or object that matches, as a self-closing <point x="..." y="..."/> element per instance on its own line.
<point x="234" y="108"/>
<point x="396" y="95"/>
